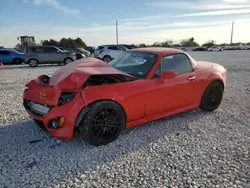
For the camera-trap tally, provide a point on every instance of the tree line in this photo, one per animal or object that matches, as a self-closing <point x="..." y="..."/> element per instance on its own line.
<point x="79" y="43"/>
<point x="190" y="42"/>
<point x="65" y="42"/>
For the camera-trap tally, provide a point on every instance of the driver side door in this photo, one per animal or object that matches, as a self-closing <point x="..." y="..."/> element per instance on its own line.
<point x="175" y="93"/>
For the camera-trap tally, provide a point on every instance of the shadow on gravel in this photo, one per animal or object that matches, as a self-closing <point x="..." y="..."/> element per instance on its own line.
<point x="30" y="153"/>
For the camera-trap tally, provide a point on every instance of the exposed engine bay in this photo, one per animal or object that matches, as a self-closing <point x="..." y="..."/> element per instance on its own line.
<point x="96" y="80"/>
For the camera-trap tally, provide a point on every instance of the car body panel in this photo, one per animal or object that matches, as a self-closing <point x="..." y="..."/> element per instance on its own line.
<point x="7" y="56"/>
<point x="105" y="50"/>
<point x="78" y="71"/>
<point x="47" y="54"/>
<point x="143" y="100"/>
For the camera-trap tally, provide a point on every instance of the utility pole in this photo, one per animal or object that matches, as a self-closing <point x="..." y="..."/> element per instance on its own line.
<point x="116" y="32"/>
<point x="232" y="33"/>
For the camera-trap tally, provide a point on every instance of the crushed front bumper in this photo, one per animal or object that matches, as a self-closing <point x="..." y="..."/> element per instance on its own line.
<point x="47" y="113"/>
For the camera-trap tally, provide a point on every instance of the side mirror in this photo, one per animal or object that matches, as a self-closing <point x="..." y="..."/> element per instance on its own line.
<point x="168" y="74"/>
<point x="58" y="51"/>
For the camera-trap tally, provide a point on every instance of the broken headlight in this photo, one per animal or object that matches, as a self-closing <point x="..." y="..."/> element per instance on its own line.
<point x="66" y="97"/>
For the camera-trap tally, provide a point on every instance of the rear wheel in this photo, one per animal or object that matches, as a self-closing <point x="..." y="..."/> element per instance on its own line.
<point x="17" y="61"/>
<point x="33" y="63"/>
<point x="107" y="58"/>
<point x="212" y="96"/>
<point x="103" y="123"/>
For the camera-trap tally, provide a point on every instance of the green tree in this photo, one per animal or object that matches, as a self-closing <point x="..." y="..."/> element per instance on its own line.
<point x="50" y="42"/>
<point x="80" y="43"/>
<point x="209" y="43"/>
<point x="142" y="45"/>
<point x="157" y="44"/>
<point x="189" y="42"/>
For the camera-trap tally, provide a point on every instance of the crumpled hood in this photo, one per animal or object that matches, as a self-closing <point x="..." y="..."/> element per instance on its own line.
<point x="74" y="75"/>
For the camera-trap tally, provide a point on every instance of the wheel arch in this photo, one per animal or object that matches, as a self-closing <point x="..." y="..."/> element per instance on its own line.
<point x="15" y="58"/>
<point x="68" y="58"/>
<point x="106" y="55"/>
<point x="87" y="108"/>
<point x="32" y="58"/>
<point x="216" y="77"/>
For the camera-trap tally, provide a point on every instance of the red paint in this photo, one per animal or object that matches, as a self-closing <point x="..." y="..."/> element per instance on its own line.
<point x="142" y="100"/>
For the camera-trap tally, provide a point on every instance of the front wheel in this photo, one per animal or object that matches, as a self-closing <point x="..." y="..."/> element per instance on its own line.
<point x="67" y="61"/>
<point x="103" y="123"/>
<point x="212" y="96"/>
<point x="33" y="63"/>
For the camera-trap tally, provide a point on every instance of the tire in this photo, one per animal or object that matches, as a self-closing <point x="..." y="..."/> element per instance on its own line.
<point x="33" y="63"/>
<point x="17" y="61"/>
<point x="212" y="96"/>
<point x="40" y="124"/>
<point x="107" y="58"/>
<point x="103" y="123"/>
<point x="67" y="60"/>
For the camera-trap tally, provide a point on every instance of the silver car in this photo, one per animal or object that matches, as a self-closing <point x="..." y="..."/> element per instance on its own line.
<point x="34" y="55"/>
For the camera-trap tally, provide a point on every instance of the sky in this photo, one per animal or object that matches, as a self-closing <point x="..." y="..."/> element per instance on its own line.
<point x="139" y="21"/>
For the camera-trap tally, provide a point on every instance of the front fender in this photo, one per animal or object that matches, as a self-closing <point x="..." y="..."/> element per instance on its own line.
<point x="131" y="109"/>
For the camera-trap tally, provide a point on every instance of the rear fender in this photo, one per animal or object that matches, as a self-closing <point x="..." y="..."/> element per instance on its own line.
<point x="214" y="77"/>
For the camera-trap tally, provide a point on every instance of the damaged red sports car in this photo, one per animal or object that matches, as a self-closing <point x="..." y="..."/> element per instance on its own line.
<point x="99" y="100"/>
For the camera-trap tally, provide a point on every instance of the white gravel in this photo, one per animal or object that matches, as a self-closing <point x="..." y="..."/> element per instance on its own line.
<point x="194" y="149"/>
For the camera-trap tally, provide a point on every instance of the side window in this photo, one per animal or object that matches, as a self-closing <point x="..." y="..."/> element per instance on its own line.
<point x="157" y="73"/>
<point x="113" y="48"/>
<point x="100" y="47"/>
<point x="4" y="52"/>
<point x="178" y="63"/>
<point x="121" y="48"/>
<point x="37" y="50"/>
<point x="50" y="50"/>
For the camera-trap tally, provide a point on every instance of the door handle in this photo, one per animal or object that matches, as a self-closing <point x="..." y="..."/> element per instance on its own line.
<point x="191" y="78"/>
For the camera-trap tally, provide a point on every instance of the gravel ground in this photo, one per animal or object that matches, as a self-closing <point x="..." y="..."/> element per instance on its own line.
<point x="194" y="149"/>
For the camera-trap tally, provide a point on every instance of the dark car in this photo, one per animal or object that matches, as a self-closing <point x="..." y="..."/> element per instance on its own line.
<point x="78" y="54"/>
<point x="199" y="49"/>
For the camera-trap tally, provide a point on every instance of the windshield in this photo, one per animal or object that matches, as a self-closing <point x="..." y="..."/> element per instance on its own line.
<point x="137" y="64"/>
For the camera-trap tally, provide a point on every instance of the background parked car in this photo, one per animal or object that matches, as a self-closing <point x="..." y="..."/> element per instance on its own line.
<point x="35" y="55"/>
<point x="9" y="56"/>
<point x="109" y="52"/>
<point x="184" y="49"/>
<point x="78" y="54"/>
<point x="130" y="47"/>
<point x="215" y="48"/>
<point x="199" y="49"/>
<point x="83" y="51"/>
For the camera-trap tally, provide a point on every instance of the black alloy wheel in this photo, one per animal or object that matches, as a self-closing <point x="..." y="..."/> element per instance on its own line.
<point x="212" y="96"/>
<point x="103" y="123"/>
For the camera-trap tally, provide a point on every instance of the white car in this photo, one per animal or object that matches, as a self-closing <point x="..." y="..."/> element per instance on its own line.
<point x="109" y="52"/>
<point x="215" y="49"/>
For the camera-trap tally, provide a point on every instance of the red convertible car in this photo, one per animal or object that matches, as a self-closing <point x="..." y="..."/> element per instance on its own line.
<point x="99" y="100"/>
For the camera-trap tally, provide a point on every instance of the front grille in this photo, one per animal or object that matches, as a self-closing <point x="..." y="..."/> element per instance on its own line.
<point x="36" y="109"/>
